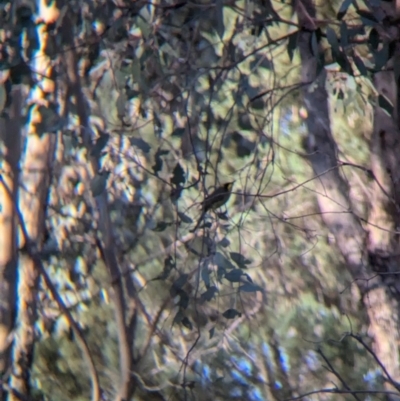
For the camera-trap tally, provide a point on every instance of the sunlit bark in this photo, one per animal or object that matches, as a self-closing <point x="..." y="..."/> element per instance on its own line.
<point x="10" y="139"/>
<point x="35" y="180"/>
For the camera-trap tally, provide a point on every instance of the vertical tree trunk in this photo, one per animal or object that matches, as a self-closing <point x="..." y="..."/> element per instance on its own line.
<point x="35" y="180"/>
<point x="335" y="205"/>
<point x="383" y="245"/>
<point x="10" y="137"/>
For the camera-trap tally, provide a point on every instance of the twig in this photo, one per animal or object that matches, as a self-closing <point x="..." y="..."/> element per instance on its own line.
<point x="338" y="391"/>
<point x="332" y="369"/>
<point x="389" y="378"/>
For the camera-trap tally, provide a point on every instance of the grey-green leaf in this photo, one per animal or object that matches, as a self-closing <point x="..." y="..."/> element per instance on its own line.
<point x="140" y="144"/>
<point x="343" y="9"/>
<point x="209" y="294"/>
<point x="333" y="41"/>
<point x="178" y="132"/>
<point x="234" y="276"/>
<point x="292" y="44"/>
<point x="240" y="260"/>
<point x="360" y="65"/>
<point x="221" y="261"/>
<point x="220" y="18"/>
<point x="250" y="287"/>
<point x="187" y="323"/>
<point x="231" y="314"/>
<point x="98" y="184"/>
<point x="100" y="144"/>
<point x="184" y="218"/>
<point x="178" y="175"/>
<point x="211" y="332"/>
<point x="161" y="226"/>
<point x="385" y="104"/>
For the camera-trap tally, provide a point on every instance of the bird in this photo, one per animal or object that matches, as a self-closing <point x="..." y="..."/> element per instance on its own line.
<point x="214" y="201"/>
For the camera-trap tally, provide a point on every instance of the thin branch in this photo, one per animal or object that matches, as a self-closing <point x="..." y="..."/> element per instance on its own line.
<point x="370" y="351"/>
<point x="332" y="370"/>
<point x="338" y="391"/>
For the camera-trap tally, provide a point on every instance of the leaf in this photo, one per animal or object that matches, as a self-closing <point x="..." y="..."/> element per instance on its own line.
<point x="314" y="44"/>
<point x="234" y="276"/>
<point x="333" y="41"/>
<point x="244" y="147"/>
<point x="98" y="184"/>
<point x="244" y="122"/>
<point x="209" y="294"/>
<point x="169" y="264"/>
<point x="187" y="323"/>
<point x="49" y="121"/>
<point x="161" y="226"/>
<point x="178" y="284"/>
<point x="367" y="18"/>
<point x="292" y="44"/>
<point x="250" y="287"/>
<point x="344" y="35"/>
<point x="344" y="63"/>
<point x="231" y="314"/>
<point x="219" y="5"/>
<point x="205" y="275"/>
<point x="183" y="299"/>
<point x="178" y="175"/>
<point x="157" y="166"/>
<point x="223" y="216"/>
<point x="374" y="39"/>
<point x="169" y="261"/>
<point x="356" y="30"/>
<point x="100" y="144"/>
<point x="224" y="242"/>
<point x="221" y="261"/>
<point x="360" y="65"/>
<point x="178" y="132"/>
<point x="385" y="104"/>
<point x="178" y="317"/>
<point x="396" y="69"/>
<point x="220" y="273"/>
<point x="184" y="218"/>
<point x="176" y="193"/>
<point x="343" y="9"/>
<point x="140" y="144"/>
<point x="211" y="332"/>
<point x="259" y="61"/>
<point x="3" y="97"/>
<point x="120" y="105"/>
<point x="381" y="57"/>
<point x="240" y="260"/>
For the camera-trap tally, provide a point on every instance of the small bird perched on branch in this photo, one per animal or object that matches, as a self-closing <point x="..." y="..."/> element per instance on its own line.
<point x="214" y="201"/>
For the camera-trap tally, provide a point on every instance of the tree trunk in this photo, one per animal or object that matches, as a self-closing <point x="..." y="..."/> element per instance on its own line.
<point x="10" y="137"/>
<point x="335" y="205"/>
<point x="35" y="180"/>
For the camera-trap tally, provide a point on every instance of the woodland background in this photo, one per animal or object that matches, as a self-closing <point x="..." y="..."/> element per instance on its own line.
<point x="117" y="118"/>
